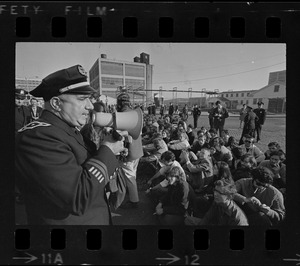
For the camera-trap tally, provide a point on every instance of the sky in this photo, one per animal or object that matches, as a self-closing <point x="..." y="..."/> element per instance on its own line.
<point x="210" y="66"/>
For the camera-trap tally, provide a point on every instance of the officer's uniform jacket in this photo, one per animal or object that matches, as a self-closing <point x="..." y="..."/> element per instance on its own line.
<point x="62" y="176"/>
<point x="261" y="114"/>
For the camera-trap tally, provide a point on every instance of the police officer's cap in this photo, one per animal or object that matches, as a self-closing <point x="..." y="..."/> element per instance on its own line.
<point x="249" y="107"/>
<point x="20" y="94"/>
<point x="72" y="80"/>
<point x="260" y="103"/>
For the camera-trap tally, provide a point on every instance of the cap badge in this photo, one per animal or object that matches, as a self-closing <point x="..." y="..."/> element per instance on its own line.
<point x="82" y="71"/>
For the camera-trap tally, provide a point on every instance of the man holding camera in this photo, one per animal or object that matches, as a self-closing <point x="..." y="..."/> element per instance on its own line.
<point x="62" y="176"/>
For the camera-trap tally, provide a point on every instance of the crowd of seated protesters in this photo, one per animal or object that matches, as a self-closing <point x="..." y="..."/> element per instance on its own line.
<point x="203" y="179"/>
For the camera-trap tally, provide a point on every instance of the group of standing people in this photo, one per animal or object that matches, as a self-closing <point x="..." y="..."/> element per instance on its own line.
<point x="25" y="114"/>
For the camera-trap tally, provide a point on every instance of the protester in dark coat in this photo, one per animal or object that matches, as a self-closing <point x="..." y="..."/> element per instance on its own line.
<point x="261" y="114"/>
<point x="249" y="124"/>
<point x="219" y="114"/>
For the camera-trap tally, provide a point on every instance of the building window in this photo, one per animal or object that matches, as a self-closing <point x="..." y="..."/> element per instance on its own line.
<point x="241" y="101"/>
<point x="254" y="101"/>
<point x="227" y="95"/>
<point x="134" y="70"/>
<point x="111" y="68"/>
<point x="111" y="82"/>
<point x="242" y="94"/>
<point x="248" y="93"/>
<point x="231" y="95"/>
<point x="237" y="95"/>
<point x="276" y="88"/>
<point x="247" y="101"/>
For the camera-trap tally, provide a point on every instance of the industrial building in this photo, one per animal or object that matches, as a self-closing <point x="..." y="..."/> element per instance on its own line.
<point x="106" y="75"/>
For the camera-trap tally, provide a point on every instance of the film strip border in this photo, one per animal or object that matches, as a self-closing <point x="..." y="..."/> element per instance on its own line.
<point x="149" y="245"/>
<point x="169" y="21"/>
<point x="165" y="25"/>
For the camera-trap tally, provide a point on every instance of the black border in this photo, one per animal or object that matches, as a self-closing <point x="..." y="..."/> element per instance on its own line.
<point x="148" y="14"/>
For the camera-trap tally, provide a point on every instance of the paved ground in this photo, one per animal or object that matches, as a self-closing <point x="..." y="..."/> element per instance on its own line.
<point x="273" y="130"/>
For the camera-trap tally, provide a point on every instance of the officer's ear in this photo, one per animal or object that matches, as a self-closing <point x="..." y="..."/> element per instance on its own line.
<point x="55" y="103"/>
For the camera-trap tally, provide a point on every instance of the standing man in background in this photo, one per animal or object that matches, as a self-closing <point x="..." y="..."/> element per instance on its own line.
<point x="196" y="113"/>
<point x="210" y="117"/>
<point x="261" y="114"/>
<point x="129" y="165"/>
<point x="35" y="110"/>
<point x="171" y="110"/>
<point x="219" y="114"/>
<point x="250" y="121"/>
<point x="22" y="113"/>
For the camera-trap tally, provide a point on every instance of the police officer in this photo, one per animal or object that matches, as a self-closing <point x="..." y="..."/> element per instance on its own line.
<point x="261" y="114"/>
<point x="62" y="176"/>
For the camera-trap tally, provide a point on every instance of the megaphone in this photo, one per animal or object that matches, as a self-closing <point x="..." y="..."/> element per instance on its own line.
<point x="131" y="121"/>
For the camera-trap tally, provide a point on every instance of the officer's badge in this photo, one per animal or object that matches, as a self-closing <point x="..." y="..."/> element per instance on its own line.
<point x="82" y="71"/>
<point x="34" y="124"/>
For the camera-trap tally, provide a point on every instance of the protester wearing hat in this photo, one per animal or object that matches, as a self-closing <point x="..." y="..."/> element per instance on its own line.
<point x="22" y="113"/>
<point x="62" y="176"/>
<point x="223" y="211"/>
<point x="249" y="124"/>
<point x="219" y="114"/>
<point x="261" y="114"/>
<point x="129" y="165"/>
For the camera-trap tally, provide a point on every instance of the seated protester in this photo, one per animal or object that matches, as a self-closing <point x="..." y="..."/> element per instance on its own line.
<point x="199" y="143"/>
<point x="225" y="136"/>
<point x="190" y="134"/>
<point x="283" y="156"/>
<point x="223" y="211"/>
<point x="167" y="124"/>
<point x="244" y="167"/>
<point x="272" y="146"/>
<point x="166" y="163"/>
<point x="182" y="125"/>
<point x="278" y="169"/>
<point x="221" y="153"/>
<point x="165" y="136"/>
<point x="237" y="153"/>
<point x="172" y="207"/>
<point x="154" y="153"/>
<point x="262" y="203"/>
<point x="213" y="133"/>
<point x="147" y="128"/>
<point x="181" y="143"/>
<point x="251" y="149"/>
<point x="200" y="172"/>
<point x="150" y="135"/>
<point x="232" y="142"/>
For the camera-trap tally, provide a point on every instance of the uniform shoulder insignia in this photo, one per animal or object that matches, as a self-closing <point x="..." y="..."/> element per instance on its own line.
<point x="34" y="124"/>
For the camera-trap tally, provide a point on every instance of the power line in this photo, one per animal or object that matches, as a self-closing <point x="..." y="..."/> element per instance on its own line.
<point x="223" y="76"/>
